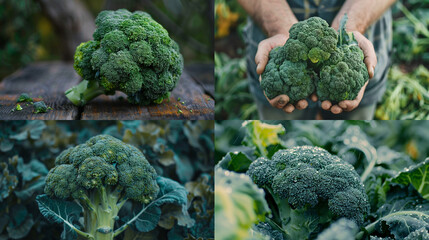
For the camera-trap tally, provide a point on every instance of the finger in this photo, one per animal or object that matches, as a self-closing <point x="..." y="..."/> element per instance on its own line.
<point x="279" y="101"/>
<point x="326" y="105"/>
<point x="302" y="104"/>
<point x="289" y="108"/>
<point x="370" y="58"/>
<point x="344" y="104"/>
<point x="282" y="101"/>
<point x="314" y="97"/>
<point x="336" y="109"/>
<point x="349" y="105"/>
<point x="261" y="57"/>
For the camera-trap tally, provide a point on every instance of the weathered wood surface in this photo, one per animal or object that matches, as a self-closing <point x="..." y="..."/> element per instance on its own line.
<point x="49" y="80"/>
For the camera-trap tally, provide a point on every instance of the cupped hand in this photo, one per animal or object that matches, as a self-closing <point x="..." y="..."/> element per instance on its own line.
<point x="370" y="60"/>
<point x="264" y="49"/>
<point x="282" y="102"/>
<point x="261" y="60"/>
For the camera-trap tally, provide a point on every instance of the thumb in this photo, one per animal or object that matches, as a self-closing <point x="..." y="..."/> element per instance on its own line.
<point x="370" y="58"/>
<point x="261" y="57"/>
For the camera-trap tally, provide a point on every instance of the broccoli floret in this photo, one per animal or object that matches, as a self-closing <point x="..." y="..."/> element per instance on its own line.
<point x="24" y="97"/>
<point x="101" y="175"/>
<point x="285" y="77"/>
<point x="345" y="73"/>
<point x="311" y="39"/>
<point x="130" y="53"/>
<point x="40" y="107"/>
<point x="310" y="188"/>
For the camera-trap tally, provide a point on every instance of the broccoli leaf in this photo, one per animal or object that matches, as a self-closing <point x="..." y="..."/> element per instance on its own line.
<point x="60" y="211"/>
<point x="262" y="135"/>
<point x="237" y="162"/>
<point x="344" y="36"/>
<point x="404" y="213"/>
<point x="239" y="204"/>
<point x="170" y="192"/>
<point x="418" y="176"/>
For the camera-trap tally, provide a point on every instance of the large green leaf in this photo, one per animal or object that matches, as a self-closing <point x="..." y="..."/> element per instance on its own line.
<point x="60" y="211"/>
<point x="170" y="193"/>
<point x="418" y="176"/>
<point x="239" y="204"/>
<point x="262" y="135"/>
<point x="235" y="161"/>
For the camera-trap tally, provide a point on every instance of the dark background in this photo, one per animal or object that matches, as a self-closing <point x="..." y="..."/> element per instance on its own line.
<point x="41" y="30"/>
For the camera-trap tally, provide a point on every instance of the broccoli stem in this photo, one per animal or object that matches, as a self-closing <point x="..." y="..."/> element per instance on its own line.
<point x="100" y="214"/>
<point x="296" y="224"/>
<point x="84" y="92"/>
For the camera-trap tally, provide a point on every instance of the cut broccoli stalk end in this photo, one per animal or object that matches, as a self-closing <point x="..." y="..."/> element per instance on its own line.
<point x="84" y="92"/>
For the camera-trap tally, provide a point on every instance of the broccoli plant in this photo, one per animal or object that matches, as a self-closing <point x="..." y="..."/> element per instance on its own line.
<point x="100" y="176"/>
<point x="316" y="59"/>
<point x="310" y="188"/>
<point x="131" y="53"/>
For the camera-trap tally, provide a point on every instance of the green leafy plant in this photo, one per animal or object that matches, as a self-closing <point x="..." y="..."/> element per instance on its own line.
<point x="131" y="53"/>
<point x="407" y="95"/>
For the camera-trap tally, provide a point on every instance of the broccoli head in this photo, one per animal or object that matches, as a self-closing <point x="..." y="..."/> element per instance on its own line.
<point x="285" y="77"/>
<point x="131" y="53"/>
<point x="101" y="175"/>
<point x="310" y="39"/>
<point x="345" y="73"/>
<point x="310" y="187"/>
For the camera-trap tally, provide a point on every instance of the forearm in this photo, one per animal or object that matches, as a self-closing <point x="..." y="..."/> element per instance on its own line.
<point x="274" y="16"/>
<point x="361" y="13"/>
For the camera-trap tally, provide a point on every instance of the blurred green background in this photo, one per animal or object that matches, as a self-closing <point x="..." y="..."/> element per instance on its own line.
<point x="38" y="30"/>
<point x="407" y="95"/>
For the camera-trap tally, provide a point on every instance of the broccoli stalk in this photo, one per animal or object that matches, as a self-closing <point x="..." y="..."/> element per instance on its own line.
<point x="295" y="223"/>
<point x="101" y="209"/>
<point x="84" y="92"/>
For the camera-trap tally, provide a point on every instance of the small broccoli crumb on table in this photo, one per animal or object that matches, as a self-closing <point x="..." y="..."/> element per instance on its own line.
<point x="47" y="81"/>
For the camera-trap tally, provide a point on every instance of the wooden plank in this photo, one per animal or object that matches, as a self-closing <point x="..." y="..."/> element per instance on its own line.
<point x="204" y="76"/>
<point x="47" y="80"/>
<point x="197" y="105"/>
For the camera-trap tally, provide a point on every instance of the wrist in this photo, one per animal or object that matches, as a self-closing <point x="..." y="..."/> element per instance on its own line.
<point x="351" y="25"/>
<point x="283" y="30"/>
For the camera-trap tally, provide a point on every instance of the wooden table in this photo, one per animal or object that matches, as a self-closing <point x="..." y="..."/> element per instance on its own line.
<point x="47" y="81"/>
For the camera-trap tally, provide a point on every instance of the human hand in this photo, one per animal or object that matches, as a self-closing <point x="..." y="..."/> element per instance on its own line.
<point x="370" y="60"/>
<point x="261" y="60"/>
